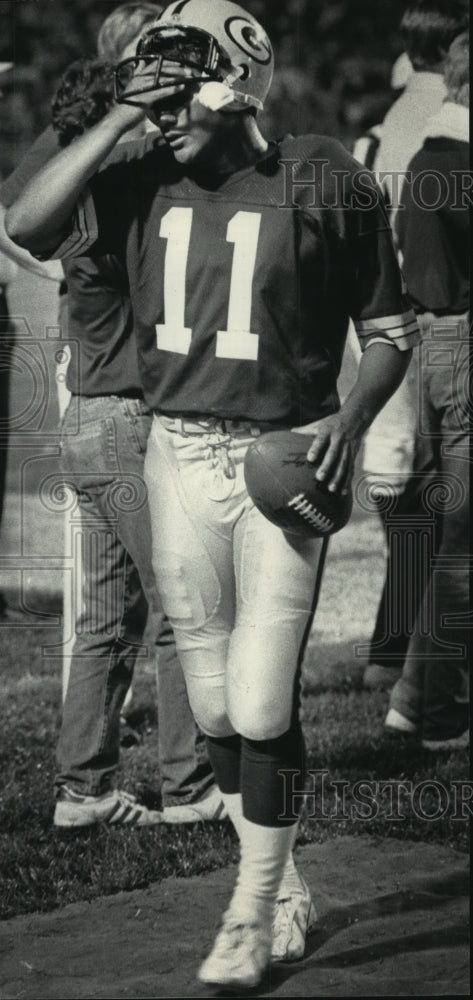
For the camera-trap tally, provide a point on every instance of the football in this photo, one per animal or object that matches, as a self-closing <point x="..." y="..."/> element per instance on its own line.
<point x="281" y="483"/>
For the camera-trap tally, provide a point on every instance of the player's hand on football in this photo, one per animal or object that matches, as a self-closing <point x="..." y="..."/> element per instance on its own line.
<point x="333" y="451"/>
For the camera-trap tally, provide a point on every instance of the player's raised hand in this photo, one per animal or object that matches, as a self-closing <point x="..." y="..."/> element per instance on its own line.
<point x="144" y="83"/>
<point x="333" y="451"/>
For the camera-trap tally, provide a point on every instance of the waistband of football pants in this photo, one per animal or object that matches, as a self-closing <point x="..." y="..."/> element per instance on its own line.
<point x="204" y="424"/>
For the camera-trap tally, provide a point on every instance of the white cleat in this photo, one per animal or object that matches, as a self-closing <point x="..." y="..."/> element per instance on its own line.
<point x="240" y="956"/>
<point x="294" y="918"/>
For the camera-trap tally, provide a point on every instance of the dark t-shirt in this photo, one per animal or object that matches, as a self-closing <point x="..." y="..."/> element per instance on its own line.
<point x="242" y="288"/>
<point x="98" y="316"/>
<point x="435" y="239"/>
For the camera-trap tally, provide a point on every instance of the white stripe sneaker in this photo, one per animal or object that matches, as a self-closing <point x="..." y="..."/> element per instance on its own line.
<point x="115" y="808"/>
<point x="294" y="918"/>
<point x="239" y="957"/>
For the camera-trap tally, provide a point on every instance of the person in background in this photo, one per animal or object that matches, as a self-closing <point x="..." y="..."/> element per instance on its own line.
<point x="431" y="699"/>
<point x="104" y="431"/>
<point x="428" y="27"/>
<point x="366" y="147"/>
<point x="8" y="272"/>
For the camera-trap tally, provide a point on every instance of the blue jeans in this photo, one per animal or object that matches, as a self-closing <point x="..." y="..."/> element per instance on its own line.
<point x="433" y="689"/>
<point x="103" y="446"/>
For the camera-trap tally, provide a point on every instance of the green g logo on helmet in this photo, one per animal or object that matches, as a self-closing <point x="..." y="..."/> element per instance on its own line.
<point x="245" y="56"/>
<point x="253" y="42"/>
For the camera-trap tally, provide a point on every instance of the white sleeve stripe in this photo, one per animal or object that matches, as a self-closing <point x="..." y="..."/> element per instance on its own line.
<point x="401" y="344"/>
<point x="391" y="340"/>
<point x="390" y="334"/>
<point x="85" y="230"/>
<point x="402" y="319"/>
<point x="381" y="340"/>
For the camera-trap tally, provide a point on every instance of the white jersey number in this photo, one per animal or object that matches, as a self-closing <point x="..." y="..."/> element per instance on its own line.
<point x="236" y="341"/>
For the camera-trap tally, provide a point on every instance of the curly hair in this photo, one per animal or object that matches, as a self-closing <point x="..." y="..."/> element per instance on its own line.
<point x="83" y="97"/>
<point x="457" y="71"/>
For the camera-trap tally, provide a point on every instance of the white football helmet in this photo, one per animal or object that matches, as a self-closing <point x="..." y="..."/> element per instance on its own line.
<point x="225" y="43"/>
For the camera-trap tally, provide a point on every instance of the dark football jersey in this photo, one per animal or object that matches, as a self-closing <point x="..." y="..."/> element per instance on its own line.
<point x="100" y="322"/>
<point x="243" y="286"/>
<point x="98" y="319"/>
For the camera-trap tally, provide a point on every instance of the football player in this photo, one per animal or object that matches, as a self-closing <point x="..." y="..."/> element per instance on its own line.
<point x="246" y="259"/>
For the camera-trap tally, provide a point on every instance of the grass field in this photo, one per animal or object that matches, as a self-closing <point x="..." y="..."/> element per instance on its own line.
<point x="41" y="869"/>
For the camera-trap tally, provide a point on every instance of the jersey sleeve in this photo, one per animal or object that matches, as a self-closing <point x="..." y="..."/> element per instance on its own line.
<point x="378" y="302"/>
<point x="111" y="200"/>
<point x="98" y="222"/>
<point x="42" y="150"/>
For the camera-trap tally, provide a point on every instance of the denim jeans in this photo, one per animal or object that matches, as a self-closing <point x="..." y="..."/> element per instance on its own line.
<point x="433" y="689"/>
<point x="103" y="446"/>
<point x="6" y="342"/>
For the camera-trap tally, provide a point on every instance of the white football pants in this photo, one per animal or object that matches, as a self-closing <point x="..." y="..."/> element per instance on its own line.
<point x="238" y="591"/>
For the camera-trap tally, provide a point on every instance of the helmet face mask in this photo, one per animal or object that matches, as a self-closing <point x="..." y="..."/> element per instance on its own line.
<point x="186" y="46"/>
<point x="191" y="48"/>
<point x="217" y="39"/>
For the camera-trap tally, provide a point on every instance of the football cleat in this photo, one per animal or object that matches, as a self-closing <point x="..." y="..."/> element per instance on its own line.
<point x="239" y="957"/>
<point x="294" y="918"/>
<point x="220" y="41"/>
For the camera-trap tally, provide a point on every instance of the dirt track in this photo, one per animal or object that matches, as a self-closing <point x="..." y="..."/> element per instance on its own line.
<point x="393" y="922"/>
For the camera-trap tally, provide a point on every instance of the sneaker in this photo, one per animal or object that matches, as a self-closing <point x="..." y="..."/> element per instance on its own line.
<point x="453" y="743"/>
<point x="210" y="808"/>
<point x="379" y="678"/>
<point x="294" y="918"/>
<point x="239" y="957"/>
<point x="399" y="723"/>
<point x="115" y="808"/>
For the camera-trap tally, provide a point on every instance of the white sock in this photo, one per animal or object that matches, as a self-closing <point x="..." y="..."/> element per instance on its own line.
<point x="290" y="880"/>
<point x="264" y="853"/>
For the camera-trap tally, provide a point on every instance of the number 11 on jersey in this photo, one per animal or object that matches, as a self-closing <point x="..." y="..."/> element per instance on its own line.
<point x="236" y="342"/>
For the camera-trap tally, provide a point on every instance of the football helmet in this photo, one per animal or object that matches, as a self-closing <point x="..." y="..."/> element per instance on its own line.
<point x="219" y="40"/>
